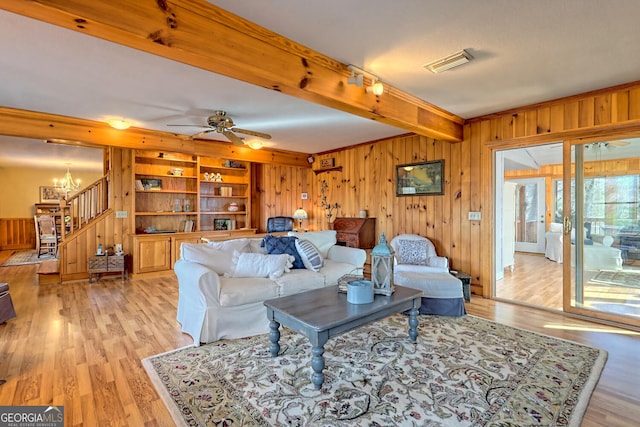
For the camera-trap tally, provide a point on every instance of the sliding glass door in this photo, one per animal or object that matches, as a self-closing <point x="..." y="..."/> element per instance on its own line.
<point x="600" y="198"/>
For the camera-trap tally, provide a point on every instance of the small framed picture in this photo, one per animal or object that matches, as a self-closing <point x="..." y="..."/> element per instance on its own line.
<point x="49" y="194"/>
<point x="220" y="224"/>
<point x="151" y="184"/>
<point x="328" y="163"/>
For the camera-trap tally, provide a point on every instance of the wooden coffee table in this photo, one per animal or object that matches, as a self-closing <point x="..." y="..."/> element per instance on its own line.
<point x="324" y="313"/>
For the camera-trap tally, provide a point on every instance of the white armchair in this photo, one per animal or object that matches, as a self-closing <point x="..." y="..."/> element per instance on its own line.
<point x="418" y="266"/>
<point x="553" y="248"/>
<point x="417" y="253"/>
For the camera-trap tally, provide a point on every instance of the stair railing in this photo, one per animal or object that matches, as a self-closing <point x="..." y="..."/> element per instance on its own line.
<point x="80" y="209"/>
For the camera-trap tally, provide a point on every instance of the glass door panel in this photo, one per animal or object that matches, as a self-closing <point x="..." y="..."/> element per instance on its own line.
<point x="603" y="205"/>
<point x="530" y="215"/>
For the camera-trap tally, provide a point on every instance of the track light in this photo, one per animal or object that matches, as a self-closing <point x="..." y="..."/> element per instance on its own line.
<point x="357" y="78"/>
<point x="376" y="88"/>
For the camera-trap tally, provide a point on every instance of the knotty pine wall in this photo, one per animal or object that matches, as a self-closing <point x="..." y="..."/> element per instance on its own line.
<point x="367" y="179"/>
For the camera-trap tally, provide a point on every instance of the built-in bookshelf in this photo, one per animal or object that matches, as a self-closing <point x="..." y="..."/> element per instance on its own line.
<point x="166" y="188"/>
<point x="181" y="193"/>
<point x="224" y="195"/>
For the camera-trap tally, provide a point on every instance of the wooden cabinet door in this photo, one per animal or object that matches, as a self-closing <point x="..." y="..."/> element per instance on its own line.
<point x="152" y="254"/>
<point x="178" y="240"/>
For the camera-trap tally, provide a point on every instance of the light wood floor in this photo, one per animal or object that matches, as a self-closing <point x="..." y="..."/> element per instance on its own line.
<point x="538" y="281"/>
<point x="80" y="345"/>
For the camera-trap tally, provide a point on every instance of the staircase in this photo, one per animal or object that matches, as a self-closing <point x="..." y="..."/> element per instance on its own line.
<point x="84" y="207"/>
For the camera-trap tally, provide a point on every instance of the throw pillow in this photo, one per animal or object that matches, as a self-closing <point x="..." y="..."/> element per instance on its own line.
<point x="310" y="255"/>
<point x="323" y="240"/>
<point x="220" y="261"/>
<point x="240" y="245"/>
<point x="412" y="252"/>
<point x="283" y="245"/>
<point x="259" y="265"/>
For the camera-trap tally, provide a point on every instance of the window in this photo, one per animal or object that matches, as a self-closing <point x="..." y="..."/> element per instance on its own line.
<point x="610" y="201"/>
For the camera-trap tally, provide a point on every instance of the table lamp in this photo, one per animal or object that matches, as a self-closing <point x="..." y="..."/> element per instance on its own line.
<point x="300" y="214"/>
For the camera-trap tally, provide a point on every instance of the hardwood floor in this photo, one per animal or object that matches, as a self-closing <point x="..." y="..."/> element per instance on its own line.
<point x="537" y="281"/>
<point x="80" y="345"/>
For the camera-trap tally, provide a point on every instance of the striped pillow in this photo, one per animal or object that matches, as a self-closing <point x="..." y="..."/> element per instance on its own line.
<point x="310" y="255"/>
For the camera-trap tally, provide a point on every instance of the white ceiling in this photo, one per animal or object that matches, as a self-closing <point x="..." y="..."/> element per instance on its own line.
<point x="525" y="52"/>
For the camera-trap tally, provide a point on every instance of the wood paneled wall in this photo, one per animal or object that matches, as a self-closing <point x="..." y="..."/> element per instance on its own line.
<point x="368" y="181"/>
<point x="594" y="116"/>
<point x="17" y="233"/>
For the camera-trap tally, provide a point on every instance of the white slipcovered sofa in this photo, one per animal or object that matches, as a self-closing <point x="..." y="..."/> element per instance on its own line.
<point x="599" y="256"/>
<point x="223" y="285"/>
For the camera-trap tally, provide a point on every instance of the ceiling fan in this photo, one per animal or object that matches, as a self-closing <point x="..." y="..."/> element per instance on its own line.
<point x="606" y="145"/>
<point x="220" y="122"/>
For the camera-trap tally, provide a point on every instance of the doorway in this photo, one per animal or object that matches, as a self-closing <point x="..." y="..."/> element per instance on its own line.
<point x="529" y="215"/>
<point x="523" y="212"/>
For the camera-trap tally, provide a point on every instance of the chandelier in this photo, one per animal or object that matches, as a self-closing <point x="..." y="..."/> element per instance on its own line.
<point x="66" y="184"/>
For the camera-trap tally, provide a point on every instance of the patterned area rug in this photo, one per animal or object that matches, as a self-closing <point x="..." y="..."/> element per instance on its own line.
<point x="462" y="371"/>
<point x="25" y="257"/>
<point x="621" y="278"/>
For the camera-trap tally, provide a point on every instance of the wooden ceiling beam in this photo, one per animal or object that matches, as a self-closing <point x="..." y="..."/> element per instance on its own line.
<point x="200" y="34"/>
<point x="36" y="125"/>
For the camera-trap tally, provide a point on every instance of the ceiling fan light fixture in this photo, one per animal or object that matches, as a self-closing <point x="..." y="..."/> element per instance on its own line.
<point x="255" y="144"/>
<point x="448" y="62"/>
<point x="120" y="124"/>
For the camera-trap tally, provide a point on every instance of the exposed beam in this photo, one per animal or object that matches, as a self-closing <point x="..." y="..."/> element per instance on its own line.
<point x="30" y="124"/>
<point x="200" y="34"/>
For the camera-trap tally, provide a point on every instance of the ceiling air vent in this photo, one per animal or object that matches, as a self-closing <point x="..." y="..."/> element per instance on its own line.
<point x="449" y="62"/>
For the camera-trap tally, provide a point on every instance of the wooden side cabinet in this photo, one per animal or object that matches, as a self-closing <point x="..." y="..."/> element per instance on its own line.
<point x="356" y="232"/>
<point x="108" y="264"/>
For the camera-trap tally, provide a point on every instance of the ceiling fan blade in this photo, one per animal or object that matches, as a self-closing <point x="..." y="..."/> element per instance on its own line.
<point x="191" y="126"/>
<point x="252" y="132"/>
<point x="204" y="132"/>
<point x="233" y="138"/>
<point x="619" y="143"/>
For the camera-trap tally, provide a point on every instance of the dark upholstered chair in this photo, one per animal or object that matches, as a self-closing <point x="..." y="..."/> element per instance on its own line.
<point x="279" y="223"/>
<point x="6" y="305"/>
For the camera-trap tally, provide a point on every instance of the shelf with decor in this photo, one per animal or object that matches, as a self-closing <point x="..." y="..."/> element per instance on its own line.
<point x="224" y="199"/>
<point x="166" y="192"/>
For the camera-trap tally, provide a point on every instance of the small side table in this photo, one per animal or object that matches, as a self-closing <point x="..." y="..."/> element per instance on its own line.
<point x="108" y="264"/>
<point x="466" y="283"/>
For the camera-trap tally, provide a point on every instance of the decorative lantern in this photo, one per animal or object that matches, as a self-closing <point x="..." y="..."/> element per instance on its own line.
<point x="382" y="267"/>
